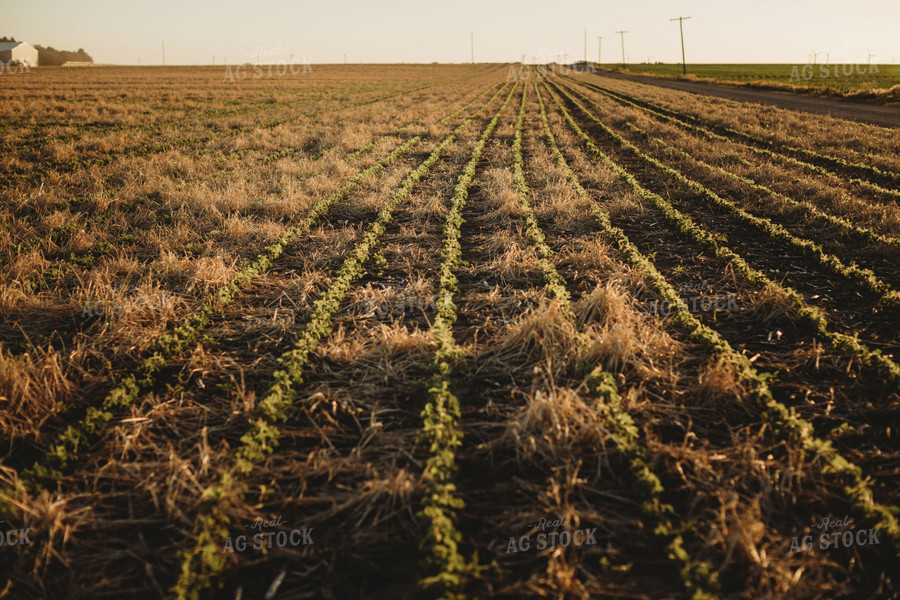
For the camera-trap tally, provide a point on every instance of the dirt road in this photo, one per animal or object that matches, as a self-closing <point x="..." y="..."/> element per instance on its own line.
<point x="885" y="116"/>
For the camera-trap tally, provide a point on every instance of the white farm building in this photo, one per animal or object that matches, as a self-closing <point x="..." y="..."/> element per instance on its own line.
<point x="18" y="53"/>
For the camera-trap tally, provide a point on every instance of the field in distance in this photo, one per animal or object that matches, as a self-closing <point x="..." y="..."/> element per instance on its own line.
<point x="834" y="79"/>
<point x="397" y="331"/>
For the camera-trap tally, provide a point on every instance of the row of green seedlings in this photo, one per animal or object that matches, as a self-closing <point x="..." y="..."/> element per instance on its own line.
<point x="164" y="146"/>
<point x="181" y="122"/>
<point x="826" y="175"/>
<point x="87" y="259"/>
<point x="677" y="118"/>
<point x="869" y="234"/>
<point x="58" y="233"/>
<point x="698" y="577"/>
<point x="151" y="148"/>
<point x="82" y="201"/>
<point x="68" y="165"/>
<point x="242" y="152"/>
<point x="440" y="434"/>
<point x="236" y="105"/>
<point x="34" y="175"/>
<point x="40" y="280"/>
<point x="259" y="105"/>
<point x="75" y="263"/>
<point x="785" y="422"/>
<point x="77" y="438"/>
<point x="882" y="365"/>
<point x="876" y="174"/>
<point x="864" y="279"/>
<point x="203" y="562"/>
<point x="40" y="138"/>
<point x="853" y="228"/>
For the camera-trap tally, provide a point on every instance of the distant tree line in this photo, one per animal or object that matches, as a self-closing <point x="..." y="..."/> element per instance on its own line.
<point x="50" y="56"/>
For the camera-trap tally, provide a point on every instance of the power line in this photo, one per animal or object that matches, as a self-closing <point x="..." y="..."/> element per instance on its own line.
<point x="599" y="41"/>
<point x="622" y="33"/>
<point x="681" y="28"/>
<point x="585" y="45"/>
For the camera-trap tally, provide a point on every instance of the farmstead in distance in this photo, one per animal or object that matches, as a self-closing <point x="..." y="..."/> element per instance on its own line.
<point x="18" y="53"/>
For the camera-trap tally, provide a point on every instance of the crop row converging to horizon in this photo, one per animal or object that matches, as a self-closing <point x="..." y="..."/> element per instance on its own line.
<point x="432" y="331"/>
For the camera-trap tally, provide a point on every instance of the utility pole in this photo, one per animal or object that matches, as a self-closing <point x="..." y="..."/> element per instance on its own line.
<point x="164" y="53"/>
<point x="599" y="41"/>
<point x="585" y="46"/>
<point x="472" y="46"/>
<point x="622" y="33"/>
<point x="681" y="28"/>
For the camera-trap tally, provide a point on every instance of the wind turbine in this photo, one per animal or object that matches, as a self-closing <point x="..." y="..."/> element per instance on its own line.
<point x="814" y="55"/>
<point x="871" y="56"/>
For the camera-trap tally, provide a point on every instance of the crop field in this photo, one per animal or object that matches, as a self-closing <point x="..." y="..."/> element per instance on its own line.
<point x="436" y="331"/>
<point x="838" y="77"/>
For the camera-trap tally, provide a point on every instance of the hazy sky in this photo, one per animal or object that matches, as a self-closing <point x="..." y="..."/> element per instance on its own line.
<point x="195" y="31"/>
